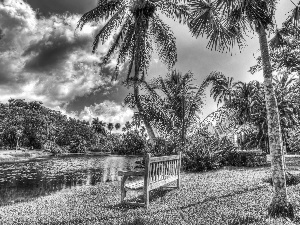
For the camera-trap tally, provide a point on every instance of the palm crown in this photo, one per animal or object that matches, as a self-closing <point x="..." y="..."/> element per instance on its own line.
<point x="226" y="22"/>
<point x="137" y="28"/>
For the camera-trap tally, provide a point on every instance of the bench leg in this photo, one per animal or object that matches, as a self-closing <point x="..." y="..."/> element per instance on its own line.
<point x="146" y="198"/>
<point x="123" y="191"/>
<point x="178" y="183"/>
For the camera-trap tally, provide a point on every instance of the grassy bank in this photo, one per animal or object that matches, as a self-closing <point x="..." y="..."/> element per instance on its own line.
<point x="228" y="196"/>
<point x="7" y="156"/>
<point x="21" y="156"/>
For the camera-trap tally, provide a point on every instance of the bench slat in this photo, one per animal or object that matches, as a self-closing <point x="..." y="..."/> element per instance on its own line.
<point x="140" y="184"/>
<point x="157" y="184"/>
<point x="135" y="185"/>
<point x="131" y="173"/>
<point x="164" y="158"/>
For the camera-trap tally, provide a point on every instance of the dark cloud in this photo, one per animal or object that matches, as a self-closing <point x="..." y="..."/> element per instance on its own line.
<point x="51" y="52"/>
<point x="46" y="7"/>
<point x="116" y="94"/>
<point x="1" y="34"/>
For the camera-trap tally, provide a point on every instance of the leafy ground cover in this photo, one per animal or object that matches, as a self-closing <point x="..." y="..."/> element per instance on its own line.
<point x="229" y="196"/>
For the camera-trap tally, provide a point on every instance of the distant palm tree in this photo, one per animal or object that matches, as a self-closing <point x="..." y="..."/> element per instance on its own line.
<point x="138" y="28"/>
<point x="127" y="125"/>
<point x="110" y="127"/>
<point x="124" y="129"/>
<point x="117" y="126"/>
<point x="99" y="126"/>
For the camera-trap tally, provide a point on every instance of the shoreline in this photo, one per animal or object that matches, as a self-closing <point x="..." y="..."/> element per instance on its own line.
<point x="19" y="156"/>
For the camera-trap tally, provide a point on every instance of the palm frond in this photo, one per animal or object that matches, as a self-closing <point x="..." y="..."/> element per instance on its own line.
<point x="104" y="10"/>
<point x="111" y="26"/>
<point x="164" y="40"/>
<point x="294" y="18"/>
<point x="174" y="10"/>
<point x="118" y="40"/>
<point x="127" y="48"/>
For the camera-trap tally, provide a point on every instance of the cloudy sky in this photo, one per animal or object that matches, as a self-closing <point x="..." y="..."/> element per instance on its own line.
<point x="42" y="58"/>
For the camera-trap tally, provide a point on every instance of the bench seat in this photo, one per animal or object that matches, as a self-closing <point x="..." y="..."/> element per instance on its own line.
<point x="140" y="183"/>
<point x="135" y="185"/>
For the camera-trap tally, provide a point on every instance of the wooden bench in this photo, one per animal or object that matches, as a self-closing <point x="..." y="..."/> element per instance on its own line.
<point x="158" y="172"/>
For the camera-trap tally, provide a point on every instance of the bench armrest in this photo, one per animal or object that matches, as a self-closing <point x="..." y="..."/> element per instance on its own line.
<point x="131" y="173"/>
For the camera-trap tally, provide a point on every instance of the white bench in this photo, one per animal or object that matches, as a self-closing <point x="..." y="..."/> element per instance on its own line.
<point x="158" y="172"/>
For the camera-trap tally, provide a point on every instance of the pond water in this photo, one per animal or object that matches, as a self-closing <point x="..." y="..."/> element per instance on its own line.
<point x="28" y="180"/>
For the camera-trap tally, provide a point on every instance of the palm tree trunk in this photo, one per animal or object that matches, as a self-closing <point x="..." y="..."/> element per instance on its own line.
<point x="141" y="111"/>
<point x="279" y="207"/>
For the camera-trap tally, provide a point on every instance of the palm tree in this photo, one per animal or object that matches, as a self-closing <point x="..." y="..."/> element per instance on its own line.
<point x="222" y="87"/>
<point x="284" y="50"/>
<point x="99" y="126"/>
<point x="124" y="129"/>
<point x="243" y="99"/>
<point x="225" y="23"/>
<point x="110" y="127"/>
<point x="127" y="125"/>
<point x="172" y="103"/>
<point x="117" y="126"/>
<point x="137" y="27"/>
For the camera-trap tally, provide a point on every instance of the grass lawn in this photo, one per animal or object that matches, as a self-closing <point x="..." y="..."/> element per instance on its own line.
<point x="227" y="196"/>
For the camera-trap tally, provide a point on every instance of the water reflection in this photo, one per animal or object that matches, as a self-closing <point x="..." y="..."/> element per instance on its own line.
<point x="24" y="181"/>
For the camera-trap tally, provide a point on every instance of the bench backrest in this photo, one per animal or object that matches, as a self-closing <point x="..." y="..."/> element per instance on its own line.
<point x="161" y="170"/>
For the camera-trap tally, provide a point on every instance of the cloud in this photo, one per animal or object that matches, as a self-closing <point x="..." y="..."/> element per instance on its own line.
<point x="44" y="59"/>
<point x="59" y="6"/>
<point x="108" y="111"/>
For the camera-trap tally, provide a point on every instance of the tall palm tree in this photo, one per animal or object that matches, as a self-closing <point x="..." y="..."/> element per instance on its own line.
<point x="225" y="23"/>
<point x="138" y="28"/>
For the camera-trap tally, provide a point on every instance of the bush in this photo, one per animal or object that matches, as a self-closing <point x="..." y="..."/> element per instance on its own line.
<point x="206" y="153"/>
<point x="53" y="148"/>
<point x="291" y="179"/>
<point x="293" y="140"/>
<point x="132" y="144"/>
<point x="164" y="147"/>
<point x="245" y="158"/>
<point x="77" y="144"/>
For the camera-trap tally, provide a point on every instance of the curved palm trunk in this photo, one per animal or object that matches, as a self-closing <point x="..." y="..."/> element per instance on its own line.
<point x="279" y="207"/>
<point x="141" y="111"/>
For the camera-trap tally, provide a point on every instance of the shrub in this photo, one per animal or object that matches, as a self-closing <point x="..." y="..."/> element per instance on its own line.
<point x="132" y="144"/>
<point x="293" y="140"/>
<point x="201" y="160"/>
<point x="206" y="153"/>
<point x="77" y="144"/>
<point x="53" y="148"/>
<point x="291" y="179"/>
<point x="245" y="158"/>
<point x="164" y="147"/>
